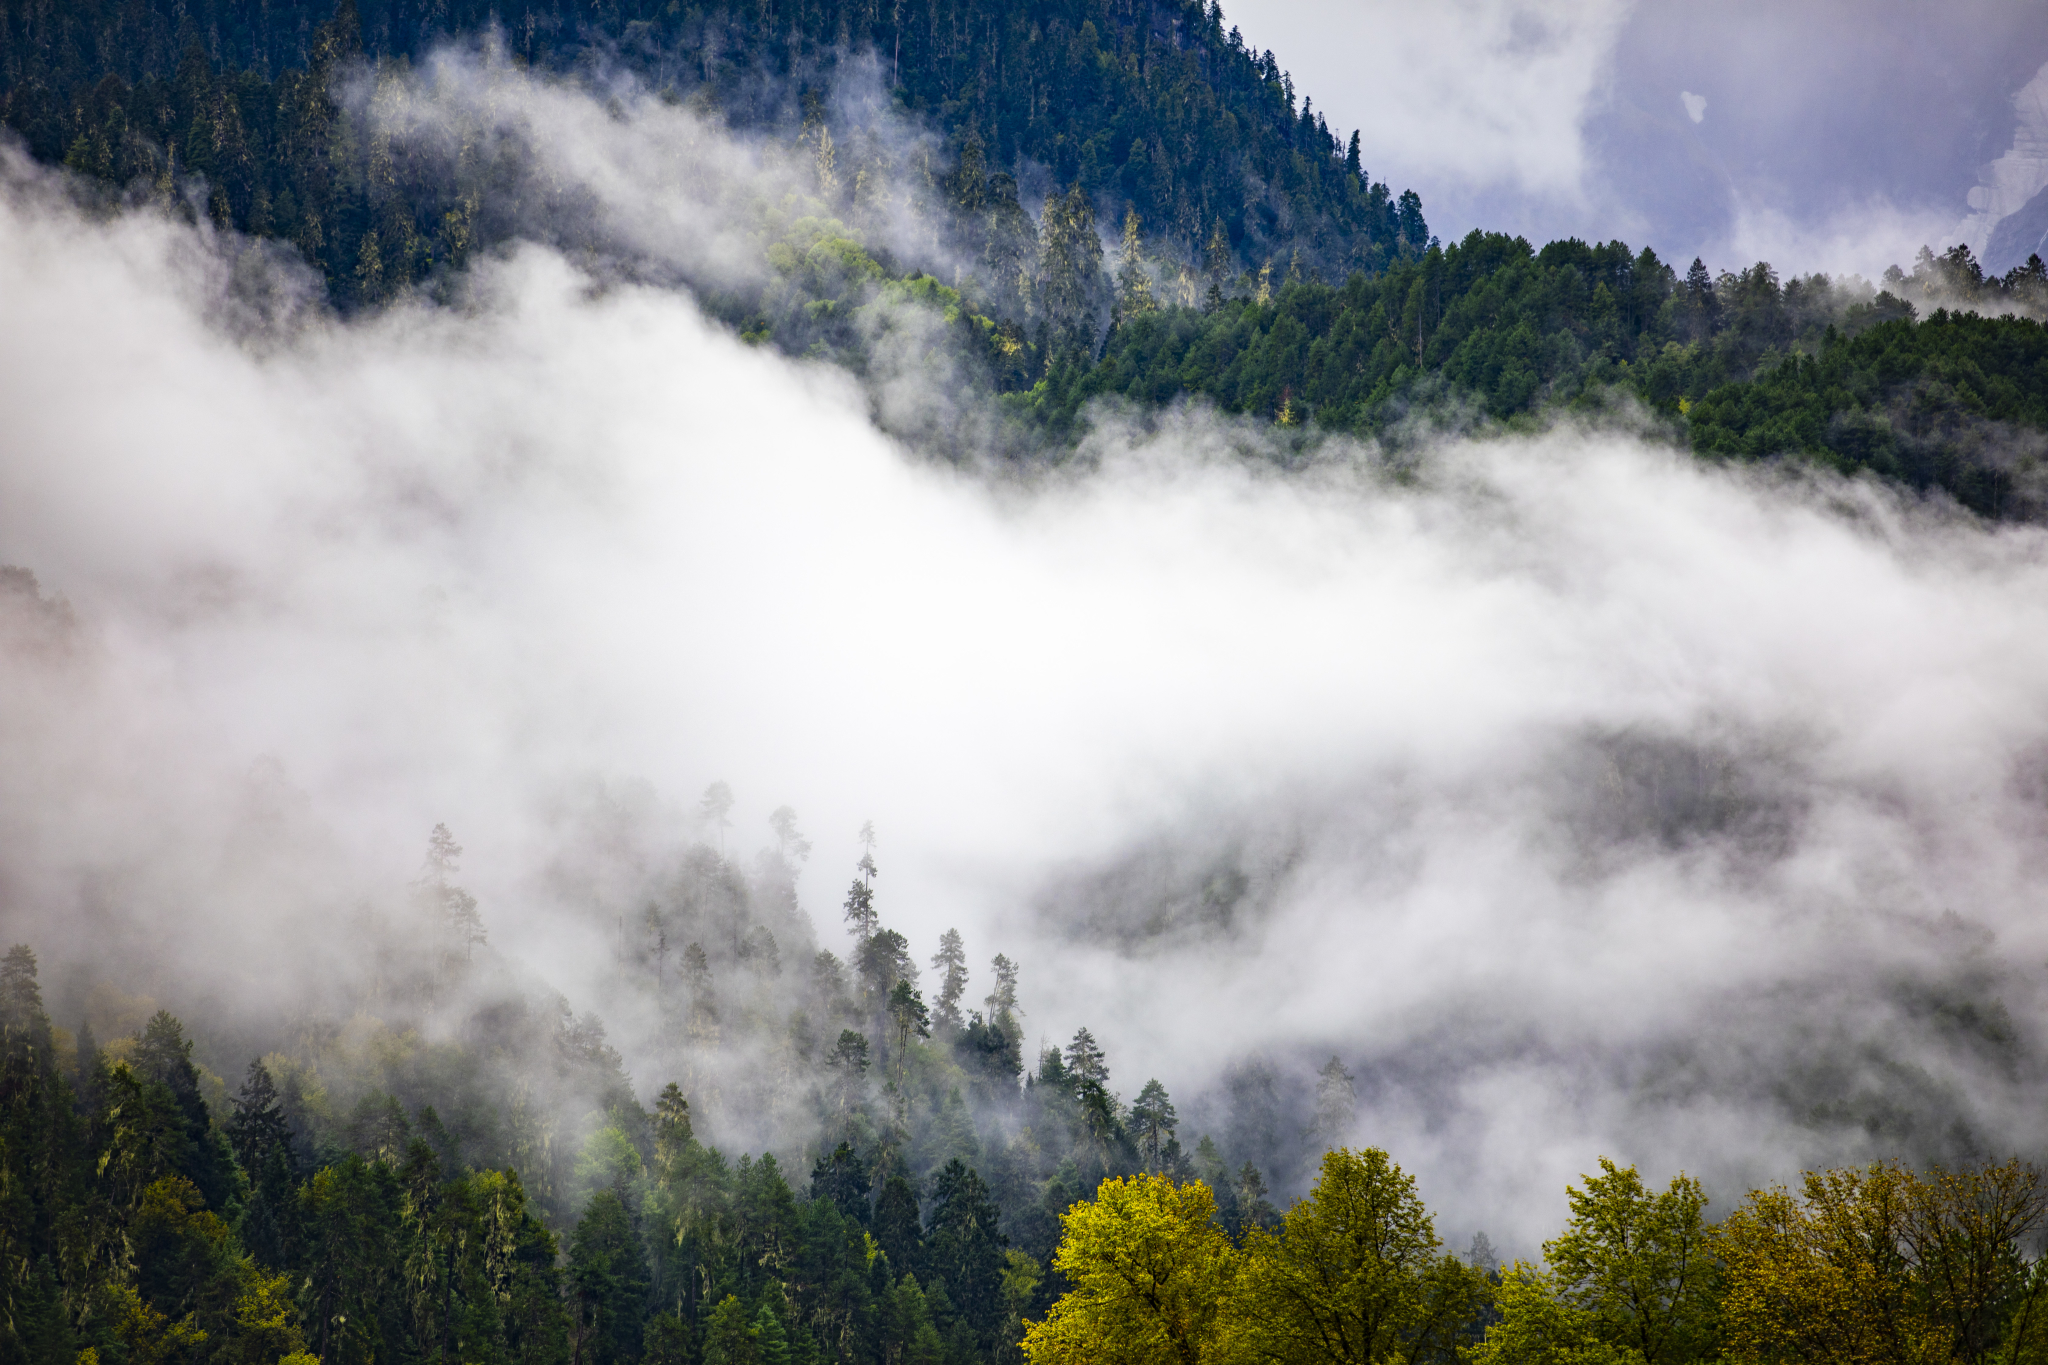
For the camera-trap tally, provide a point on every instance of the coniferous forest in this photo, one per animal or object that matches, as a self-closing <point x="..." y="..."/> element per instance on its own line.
<point x="1252" y="260"/>
<point x="1056" y="213"/>
<point x="143" y="1225"/>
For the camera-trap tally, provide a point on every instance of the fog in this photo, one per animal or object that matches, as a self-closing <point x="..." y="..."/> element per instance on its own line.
<point x="1582" y="798"/>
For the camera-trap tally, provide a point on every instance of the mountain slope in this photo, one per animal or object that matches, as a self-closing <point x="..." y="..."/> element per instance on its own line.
<point x="1146" y="106"/>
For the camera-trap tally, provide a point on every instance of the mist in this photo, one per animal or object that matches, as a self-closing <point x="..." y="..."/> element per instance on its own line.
<point x="1582" y="798"/>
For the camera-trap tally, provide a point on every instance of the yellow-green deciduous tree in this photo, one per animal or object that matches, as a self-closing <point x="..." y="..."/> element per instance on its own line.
<point x="1823" y="1276"/>
<point x="1883" y="1265"/>
<point x="1633" y="1278"/>
<point x="1356" y="1276"/>
<point x="1151" y="1273"/>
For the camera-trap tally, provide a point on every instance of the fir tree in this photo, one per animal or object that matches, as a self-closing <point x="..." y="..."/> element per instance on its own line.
<point x="951" y="964"/>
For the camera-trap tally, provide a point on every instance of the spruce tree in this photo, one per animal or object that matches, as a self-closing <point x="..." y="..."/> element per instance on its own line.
<point x="951" y="964"/>
<point x="1133" y="282"/>
<point x="1152" y="1121"/>
<point x="898" y="1229"/>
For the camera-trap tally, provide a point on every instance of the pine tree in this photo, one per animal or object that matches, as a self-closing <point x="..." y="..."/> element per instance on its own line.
<point x="1133" y="282"/>
<point x="1413" y="230"/>
<point x="1010" y="253"/>
<point x="898" y="1229"/>
<point x="964" y="1248"/>
<point x="258" y="1130"/>
<point x="884" y="961"/>
<point x="1336" y="1102"/>
<point x="714" y="809"/>
<point x="608" y="1278"/>
<point x="458" y="919"/>
<point x="1070" y="268"/>
<point x="951" y="963"/>
<point x="969" y="183"/>
<point x="673" y="1137"/>
<point x="729" y="1335"/>
<point x="1002" y="1001"/>
<point x="22" y="1021"/>
<point x="1252" y="1208"/>
<point x="1701" y="306"/>
<point x="1086" y="1059"/>
<point x="163" y="1056"/>
<point x="771" y="1342"/>
<point x="1216" y="258"/>
<point x="790" y="844"/>
<point x="860" y="914"/>
<point x="907" y="1010"/>
<point x="849" y="1059"/>
<point x="697" y="980"/>
<point x="1153" y="1121"/>
<point x="841" y="1179"/>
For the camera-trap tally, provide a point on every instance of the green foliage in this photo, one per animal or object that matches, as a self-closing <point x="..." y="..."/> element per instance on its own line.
<point x="681" y="1257"/>
<point x="1634" y="1276"/>
<point x="1159" y="111"/>
<point x="1356" y="1274"/>
<point x="608" y="1276"/>
<point x="1951" y="402"/>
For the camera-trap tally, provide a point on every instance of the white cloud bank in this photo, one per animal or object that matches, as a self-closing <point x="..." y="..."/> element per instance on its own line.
<point x="1580" y="794"/>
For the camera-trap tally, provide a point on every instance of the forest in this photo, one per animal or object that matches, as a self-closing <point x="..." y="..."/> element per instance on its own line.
<point x="836" y="1147"/>
<point x="142" y="1224"/>
<point x="1118" y="201"/>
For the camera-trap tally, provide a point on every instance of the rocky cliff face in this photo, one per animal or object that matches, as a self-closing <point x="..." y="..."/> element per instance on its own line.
<point x="2010" y="204"/>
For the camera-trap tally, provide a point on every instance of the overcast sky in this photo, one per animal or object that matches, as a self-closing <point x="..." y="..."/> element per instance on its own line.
<point x="1824" y="135"/>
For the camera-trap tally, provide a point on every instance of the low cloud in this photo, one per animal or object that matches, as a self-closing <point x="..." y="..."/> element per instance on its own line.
<point x="1580" y="797"/>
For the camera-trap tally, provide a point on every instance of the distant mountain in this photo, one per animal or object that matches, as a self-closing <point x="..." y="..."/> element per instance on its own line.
<point x="2018" y="236"/>
<point x="2010" y="216"/>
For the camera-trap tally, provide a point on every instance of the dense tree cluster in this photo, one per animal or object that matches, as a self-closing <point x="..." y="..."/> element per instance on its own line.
<point x="1148" y="105"/>
<point x="1868" y="1265"/>
<point x="139" y="1225"/>
<point x="1742" y="363"/>
<point x="504" y="1194"/>
<point x="1959" y="401"/>
<point x="135" y="1227"/>
<point x="1252" y="262"/>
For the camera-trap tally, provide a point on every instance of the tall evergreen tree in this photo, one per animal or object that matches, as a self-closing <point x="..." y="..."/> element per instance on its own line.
<point x="163" y="1056"/>
<point x="898" y="1229"/>
<point x="1071" y="270"/>
<point x="965" y="1249"/>
<point x="1133" y="281"/>
<point x="1153" y="1121"/>
<point x="951" y="964"/>
<point x="608" y="1281"/>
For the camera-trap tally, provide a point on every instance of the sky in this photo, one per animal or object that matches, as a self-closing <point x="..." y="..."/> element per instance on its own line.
<point x="1818" y="134"/>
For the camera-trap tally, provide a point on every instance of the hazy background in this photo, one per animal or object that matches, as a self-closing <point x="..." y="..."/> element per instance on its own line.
<point x="1824" y="134"/>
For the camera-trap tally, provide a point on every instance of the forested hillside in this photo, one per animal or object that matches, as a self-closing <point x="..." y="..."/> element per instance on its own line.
<point x="785" y="1145"/>
<point x="1493" y="325"/>
<point x="141" y="1224"/>
<point x="1115" y="199"/>
<point x="1151" y="106"/>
